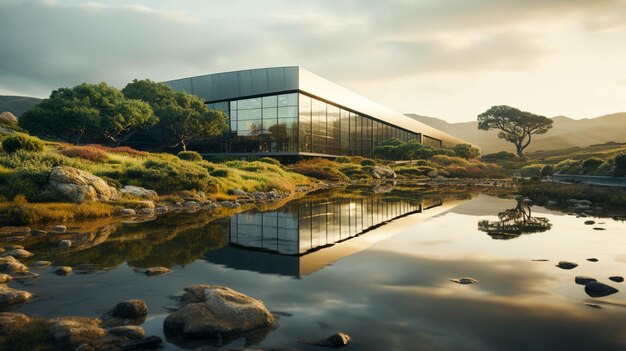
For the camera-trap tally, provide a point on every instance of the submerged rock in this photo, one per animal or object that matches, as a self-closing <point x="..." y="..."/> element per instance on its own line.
<point x="9" y="296"/>
<point x="336" y="340"/>
<point x="63" y="270"/>
<point x="617" y="278"/>
<point x="65" y="243"/>
<point x="18" y="253"/>
<point x="464" y="281"/>
<point x="567" y="265"/>
<point x="79" y="186"/>
<point x="212" y="311"/>
<point x="590" y="222"/>
<point x="597" y="289"/>
<point x="583" y="280"/>
<point x="149" y="343"/>
<point x="156" y="271"/>
<point x="40" y="264"/>
<point x="130" y="309"/>
<point x="128" y="331"/>
<point x="10" y="265"/>
<point x="592" y="259"/>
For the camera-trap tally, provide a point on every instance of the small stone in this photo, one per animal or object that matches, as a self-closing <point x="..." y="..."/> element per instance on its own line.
<point x="597" y="289"/>
<point x="25" y="275"/>
<point x="598" y="228"/>
<point x="590" y="222"/>
<point x="146" y="211"/>
<point x="59" y="228"/>
<point x="617" y="278"/>
<point x="65" y="243"/>
<point x="592" y="259"/>
<point x="149" y="343"/>
<point x="594" y="306"/>
<point x="239" y="192"/>
<point x="75" y="331"/>
<point x="5" y="278"/>
<point x="37" y="233"/>
<point x="128" y="212"/>
<point x="191" y="204"/>
<point x="464" y="281"/>
<point x="10" y="265"/>
<point x="157" y="271"/>
<point x="540" y="260"/>
<point x="583" y="280"/>
<point x="567" y="265"/>
<point x="129" y="309"/>
<point x="63" y="270"/>
<point x="128" y="331"/>
<point x="334" y="341"/>
<point x="40" y="264"/>
<point x="18" y="253"/>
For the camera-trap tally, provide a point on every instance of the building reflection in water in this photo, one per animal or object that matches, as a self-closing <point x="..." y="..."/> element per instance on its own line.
<point x="300" y="237"/>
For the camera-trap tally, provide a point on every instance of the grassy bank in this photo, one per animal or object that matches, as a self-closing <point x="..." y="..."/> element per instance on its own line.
<point x="542" y="192"/>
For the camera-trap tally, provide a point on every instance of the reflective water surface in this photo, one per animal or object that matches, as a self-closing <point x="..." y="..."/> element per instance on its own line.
<point x="376" y="266"/>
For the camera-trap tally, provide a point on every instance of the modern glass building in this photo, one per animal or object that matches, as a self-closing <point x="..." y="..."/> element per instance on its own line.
<point x="291" y="111"/>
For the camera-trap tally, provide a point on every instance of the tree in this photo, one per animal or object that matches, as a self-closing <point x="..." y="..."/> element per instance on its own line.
<point x="515" y="126"/>
<point x="466" y="151"/>
<point x="184" y="115"/>
<point x="96" y="111"/>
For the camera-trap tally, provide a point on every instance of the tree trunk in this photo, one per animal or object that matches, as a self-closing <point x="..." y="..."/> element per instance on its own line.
<point x="520" y="150"/>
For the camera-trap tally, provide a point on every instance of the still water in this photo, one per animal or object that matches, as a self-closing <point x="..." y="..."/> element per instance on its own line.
<point x="375" y="266"/>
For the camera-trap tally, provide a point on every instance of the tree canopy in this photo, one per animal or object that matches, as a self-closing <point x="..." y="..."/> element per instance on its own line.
<point x="184" y="115"/>
<point x="97" y="112"/>
<point x="515" y="126"/>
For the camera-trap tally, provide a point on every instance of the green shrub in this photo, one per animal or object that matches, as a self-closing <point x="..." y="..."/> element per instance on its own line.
<point x="499" y="156"/>
<point x="21" y="141"/>
<point x="368" y="162"/>
<point x="620" y="166"/>
<point x="192" y="156"/>
<point x="270" y="160"/>
<point x="565" y="165"/>
<point x="445" y="160"/>
<point x="219" y="173"/>
<point x="342" y="159"/>
<point x="592" y="163"/>
<point x="85" y="152"/>
<point x="414" y="170"/>
<point x="457" y="171"/>
<point x="547" y="170"/>
<point x="532" y="171"/>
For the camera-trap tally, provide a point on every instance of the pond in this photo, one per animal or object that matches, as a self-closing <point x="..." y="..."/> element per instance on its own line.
<point x="377" y="266"/>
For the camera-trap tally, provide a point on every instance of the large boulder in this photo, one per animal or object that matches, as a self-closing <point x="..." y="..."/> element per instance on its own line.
<point x="130" y="309"/>
<point x="380" y="172"/>
<point x="80" y="186"/>
<point x="75" y="331"/>
<point x="7" y="117"/>
<point x="212" y="311"/>
<point x="10" y="265"/>
<point x="12" y="322"/>
<point x="138" y="191"/>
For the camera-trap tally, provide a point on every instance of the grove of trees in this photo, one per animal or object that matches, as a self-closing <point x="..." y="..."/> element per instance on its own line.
<point x="395" y="149"/>
<point x="99" y="113"/>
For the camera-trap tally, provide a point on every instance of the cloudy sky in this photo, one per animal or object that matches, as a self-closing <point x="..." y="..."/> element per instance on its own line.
<point x="451" y="59"/>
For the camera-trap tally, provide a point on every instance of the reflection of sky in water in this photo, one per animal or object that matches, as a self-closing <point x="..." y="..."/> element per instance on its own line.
<point x="396" y="294"/>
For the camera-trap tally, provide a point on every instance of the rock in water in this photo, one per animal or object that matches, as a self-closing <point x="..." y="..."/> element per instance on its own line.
<point x="10" y="296"/>
<point x="335" y="340"/>
<point x="128" y="331"/>
<point x="582" y="280"/>
<point x="80" y="186"/>
<point x="138" y="191"/>
<point x="130" y="309"/>
<point x="567" y="265"/>
<point x="18" y="253"/>
<point x="593" y="259"/>
<point x="597" y="289"/>
<point x="590" y="222"/>
<point x="149" y="343"/>
<point x="217" y="312"/>
<point x="156" y="271"/>
<point x="63" y="270"/>
<point x="65" y="243"/>
<point x="75" y="331"/>
<point x="5" y="278"/>
<point x="464" y="281"/>
<point x="617" y="278"/>
<point x="10" y="265"/>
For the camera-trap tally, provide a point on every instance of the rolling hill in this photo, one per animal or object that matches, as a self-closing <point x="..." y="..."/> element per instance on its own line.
<point x="565" y="133"/>
<point x="17" y="104"/>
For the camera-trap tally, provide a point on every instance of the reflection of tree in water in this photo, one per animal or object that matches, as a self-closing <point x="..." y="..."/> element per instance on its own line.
<point x="514" y="222"/>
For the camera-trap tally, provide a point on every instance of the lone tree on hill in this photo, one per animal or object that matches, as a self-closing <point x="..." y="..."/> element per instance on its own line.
<point x="515" y="126"/>
<point x="184" y="115"/>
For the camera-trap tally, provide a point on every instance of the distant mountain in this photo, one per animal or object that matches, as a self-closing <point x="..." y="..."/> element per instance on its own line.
<point x="17" y="105"/>
<point x="565" y="133"/>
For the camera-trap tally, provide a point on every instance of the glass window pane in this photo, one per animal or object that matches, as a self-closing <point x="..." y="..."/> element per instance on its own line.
<point x="254" y="126"/>
<point x="249" y="103"/>
<point x="269" y="113"/>
<point x="269" y="101"/>
<point x="288" y="99"/>
<point x="233" y="105"/>
<point x="291" y="111"/>
<point x="244" y="115"/>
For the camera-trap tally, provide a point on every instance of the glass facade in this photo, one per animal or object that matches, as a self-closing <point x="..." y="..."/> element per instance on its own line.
<point x="295" y="122"/>
<point x="298" y="228"/>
